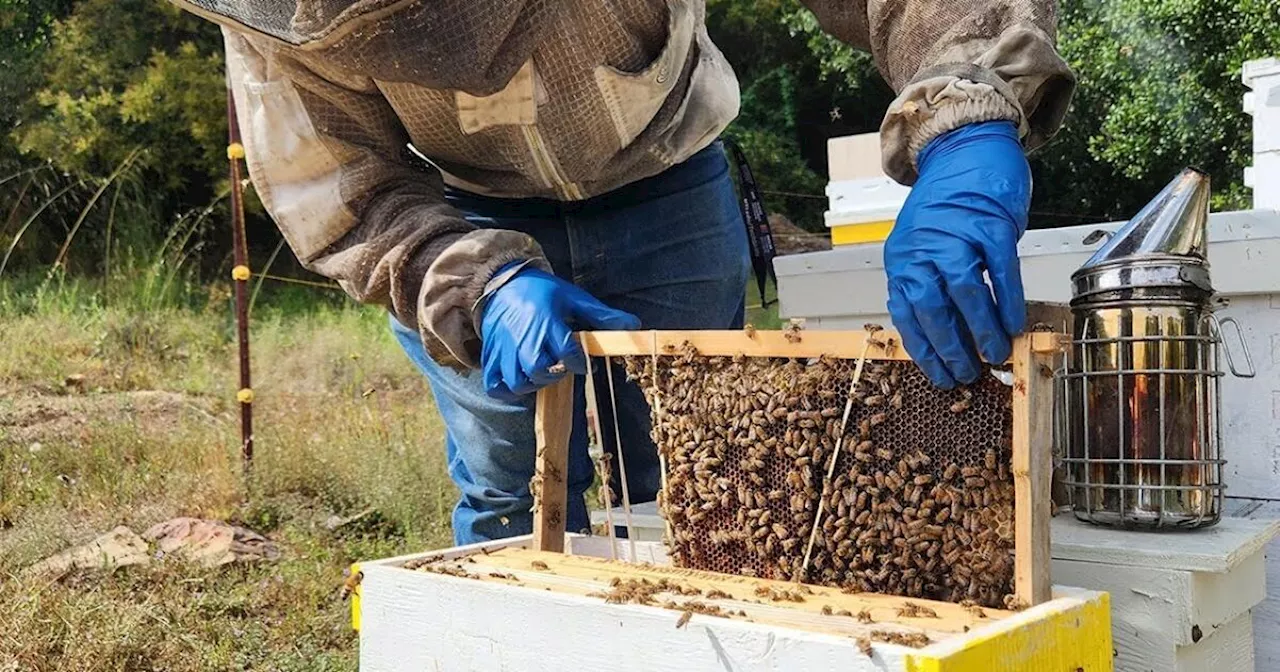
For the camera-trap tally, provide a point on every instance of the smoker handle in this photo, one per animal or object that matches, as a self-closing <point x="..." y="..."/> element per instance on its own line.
<point x="1248" y="360"/>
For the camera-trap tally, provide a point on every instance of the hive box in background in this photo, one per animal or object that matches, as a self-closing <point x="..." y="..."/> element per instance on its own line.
<point x="862" y="202"/>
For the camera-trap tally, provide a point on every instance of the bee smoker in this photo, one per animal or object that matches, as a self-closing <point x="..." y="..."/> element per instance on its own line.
<point x="1141" y="396"/>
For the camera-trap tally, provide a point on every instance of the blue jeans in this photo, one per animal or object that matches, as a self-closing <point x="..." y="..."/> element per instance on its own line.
<point x="670" y="249"/>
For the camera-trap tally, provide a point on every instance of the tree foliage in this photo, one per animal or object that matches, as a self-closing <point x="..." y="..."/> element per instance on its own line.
<point x="122" y="74"/>
<point x="123" y="101"/>
<point x="26" y="27"/>
<point x="798" y="89"/>
<point x="1159" y="90"/>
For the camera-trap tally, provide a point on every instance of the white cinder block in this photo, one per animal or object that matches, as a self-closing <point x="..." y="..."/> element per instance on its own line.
<point x="1266" y="616"/>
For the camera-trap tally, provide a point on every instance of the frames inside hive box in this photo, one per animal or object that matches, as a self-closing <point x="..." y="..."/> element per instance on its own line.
<point x="779" y="465"/>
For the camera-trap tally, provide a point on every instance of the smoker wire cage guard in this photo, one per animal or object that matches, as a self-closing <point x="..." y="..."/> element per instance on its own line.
<point x="1140" y="411"/>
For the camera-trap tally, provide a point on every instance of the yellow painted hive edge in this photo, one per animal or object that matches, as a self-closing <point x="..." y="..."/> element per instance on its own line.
<point x="1072" y="632"/>
<point x="355" y="599"/>
<point x="866" y="232"/>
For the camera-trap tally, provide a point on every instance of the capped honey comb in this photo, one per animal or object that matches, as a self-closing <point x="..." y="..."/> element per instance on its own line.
<point x="920" y="502"/>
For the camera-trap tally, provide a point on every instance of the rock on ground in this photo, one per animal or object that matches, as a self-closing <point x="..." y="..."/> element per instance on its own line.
<point x="210" y="543"/>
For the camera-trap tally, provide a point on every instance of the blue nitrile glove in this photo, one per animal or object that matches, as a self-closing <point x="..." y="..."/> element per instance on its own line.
<point x="964" y="216"/>
<point x="525" y="330"/>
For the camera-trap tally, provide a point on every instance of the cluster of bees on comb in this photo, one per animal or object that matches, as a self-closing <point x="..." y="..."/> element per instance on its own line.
<point x="920" y="498"/>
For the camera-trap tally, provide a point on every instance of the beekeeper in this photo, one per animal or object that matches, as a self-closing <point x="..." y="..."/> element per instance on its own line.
<point x="498" y="173"/>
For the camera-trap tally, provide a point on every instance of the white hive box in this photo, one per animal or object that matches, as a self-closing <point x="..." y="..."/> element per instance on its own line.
<point x="518" y="610"/>
<point x="1178" y="600"/>
<point x="862" y="202"/>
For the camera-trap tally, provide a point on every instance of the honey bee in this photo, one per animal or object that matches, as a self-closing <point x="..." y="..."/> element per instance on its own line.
<point x="349" y="584"/>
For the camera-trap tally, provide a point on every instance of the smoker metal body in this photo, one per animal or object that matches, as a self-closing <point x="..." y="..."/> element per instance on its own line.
<point x="1141" y="399"/>
<point x="1144" y="402"/>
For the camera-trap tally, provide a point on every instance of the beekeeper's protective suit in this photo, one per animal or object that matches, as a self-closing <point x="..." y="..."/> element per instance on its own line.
<point x="499" y="172"/>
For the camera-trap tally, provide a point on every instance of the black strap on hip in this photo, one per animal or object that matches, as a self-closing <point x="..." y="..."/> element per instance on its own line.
<point x="759" y="235"/>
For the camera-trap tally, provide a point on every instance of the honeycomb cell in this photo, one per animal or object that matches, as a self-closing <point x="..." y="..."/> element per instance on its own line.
<point x="920" y="498"/>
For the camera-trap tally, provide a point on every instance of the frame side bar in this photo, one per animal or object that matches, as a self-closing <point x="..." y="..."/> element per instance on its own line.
<point x="553" y="420"/>
<point x="1032" y="463"/>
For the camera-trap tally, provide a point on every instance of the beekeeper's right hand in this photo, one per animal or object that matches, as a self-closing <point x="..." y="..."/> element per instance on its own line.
<point x="526" y="328"/>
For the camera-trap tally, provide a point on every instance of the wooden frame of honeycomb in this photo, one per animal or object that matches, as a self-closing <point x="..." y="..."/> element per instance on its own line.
<point x="897" y="516"/>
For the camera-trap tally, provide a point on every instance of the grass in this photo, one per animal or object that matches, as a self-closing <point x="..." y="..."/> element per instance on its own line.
<point x="343" y="424"/>
<point x="759" y="315"/>
<point x="113" y="412"/>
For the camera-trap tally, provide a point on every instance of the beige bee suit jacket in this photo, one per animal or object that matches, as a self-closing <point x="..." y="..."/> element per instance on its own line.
<point x="563" y="99"/>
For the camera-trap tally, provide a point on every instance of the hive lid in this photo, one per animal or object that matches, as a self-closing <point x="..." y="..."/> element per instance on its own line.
<point x="1163" y="245"/>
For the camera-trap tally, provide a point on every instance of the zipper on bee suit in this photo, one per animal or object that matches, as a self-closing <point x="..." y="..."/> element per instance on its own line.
<point x="551" y="175"/>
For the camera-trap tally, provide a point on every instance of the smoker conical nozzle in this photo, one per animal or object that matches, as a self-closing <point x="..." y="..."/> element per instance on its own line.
<point x="1163" y="246"/>
<point x="1173" y="223"/>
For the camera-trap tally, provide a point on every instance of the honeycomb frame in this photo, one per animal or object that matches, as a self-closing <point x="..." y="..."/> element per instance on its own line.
<point x="930" y="514"/>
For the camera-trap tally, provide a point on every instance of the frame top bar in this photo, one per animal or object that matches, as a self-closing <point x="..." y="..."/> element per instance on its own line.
<point x="886" y="344"/>
<point x="841" y="344"/>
